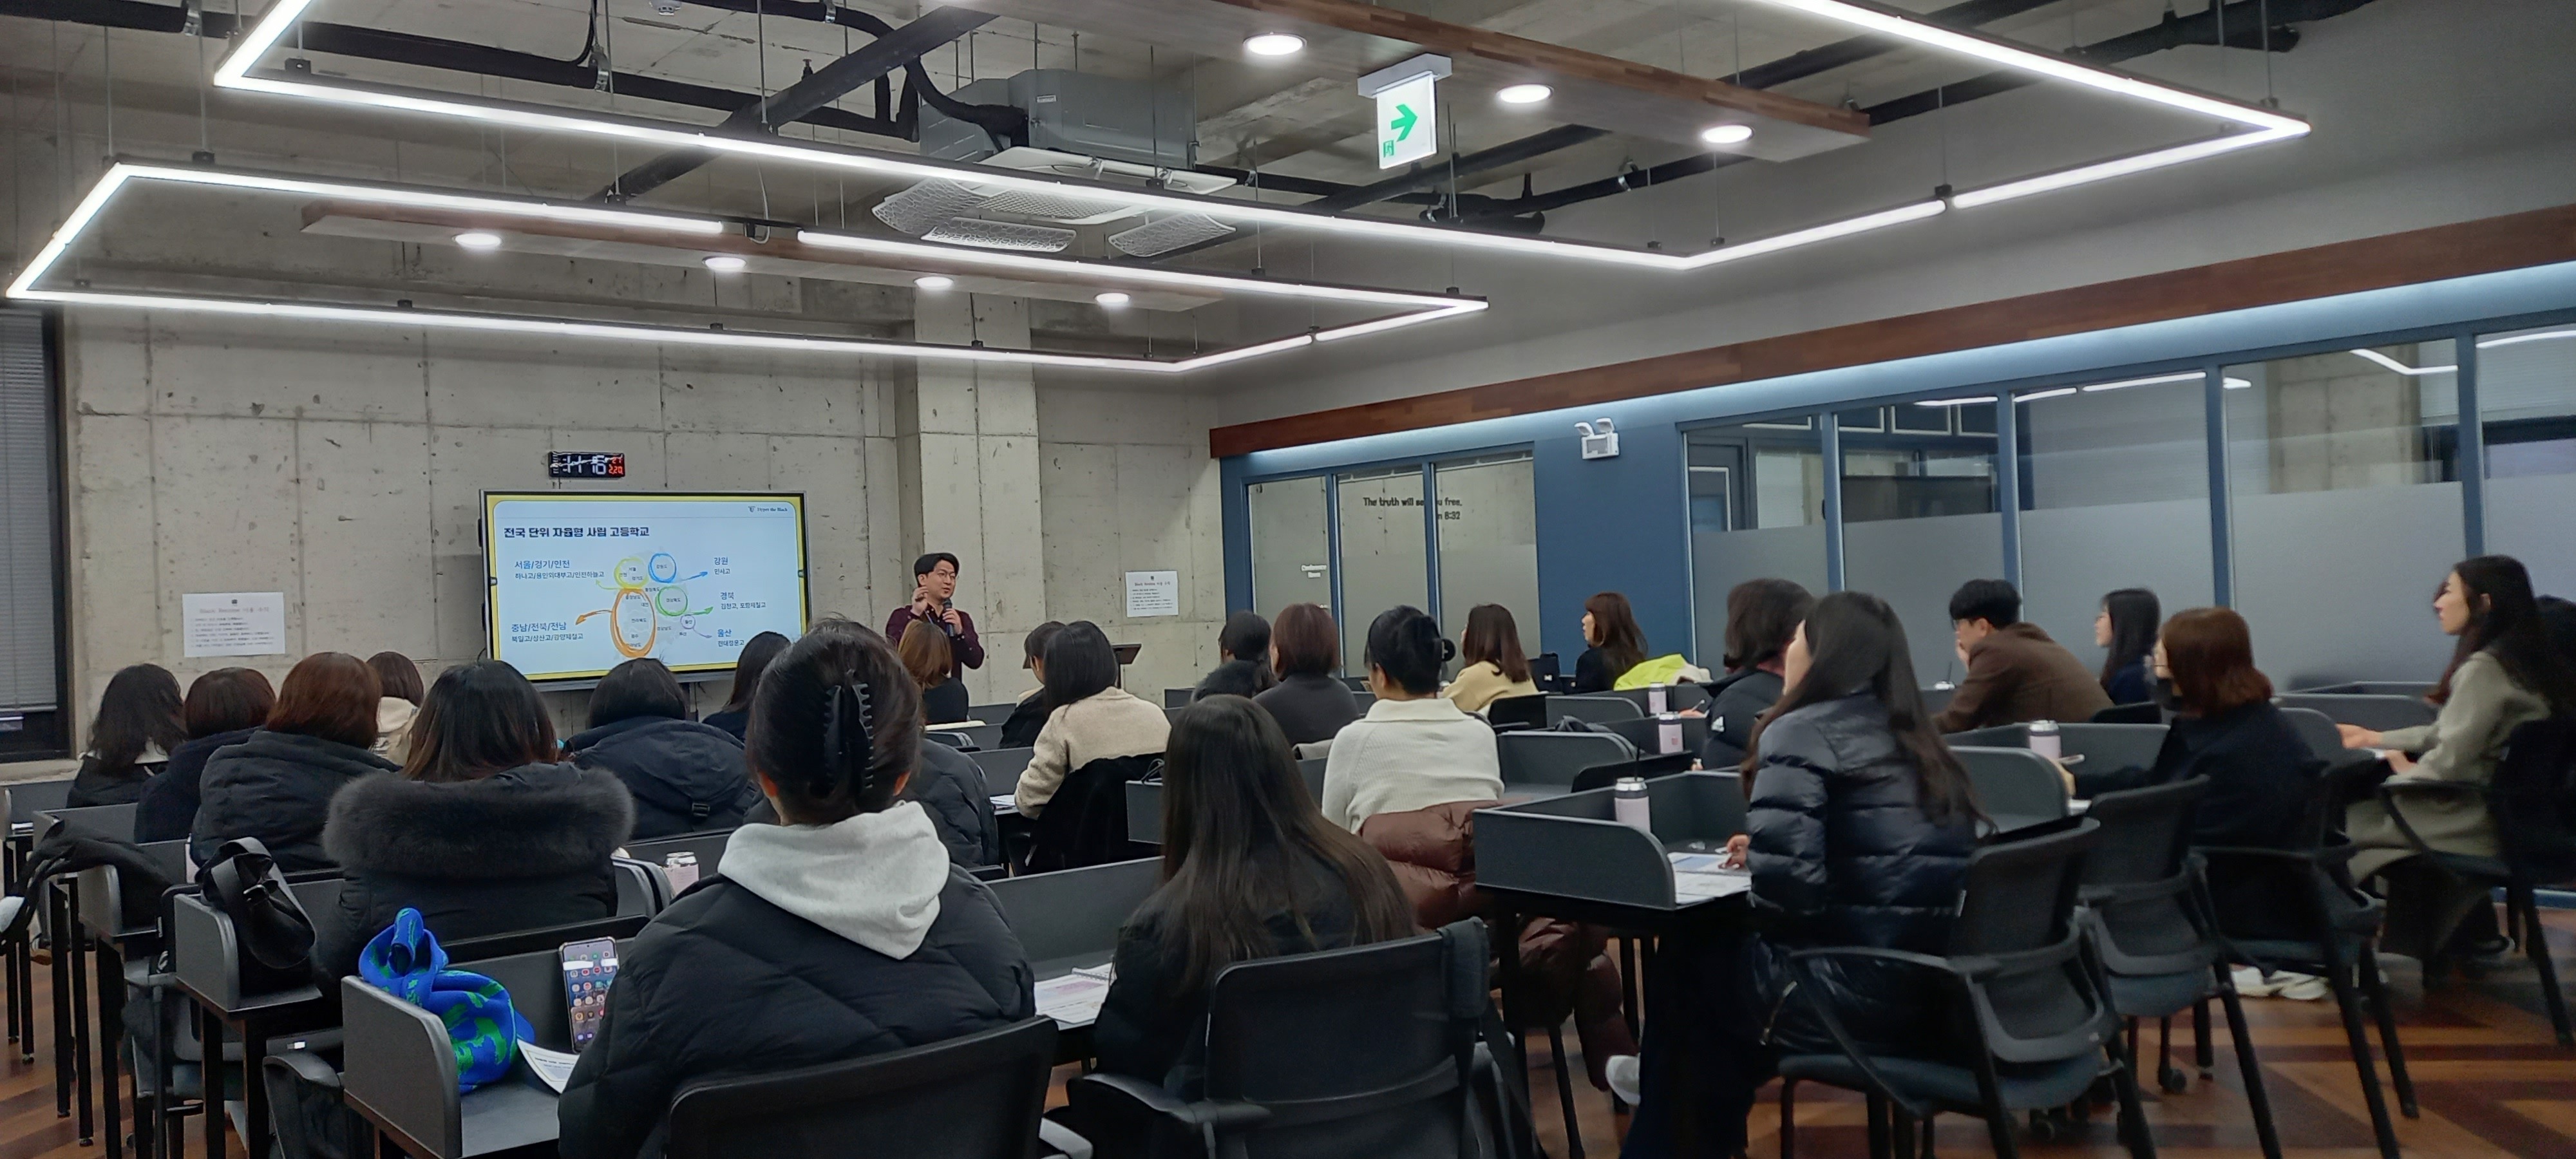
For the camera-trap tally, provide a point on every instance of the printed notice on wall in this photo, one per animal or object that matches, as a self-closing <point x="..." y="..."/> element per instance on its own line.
<point x="233" y="623"/>
<point x="1153" y="593"/>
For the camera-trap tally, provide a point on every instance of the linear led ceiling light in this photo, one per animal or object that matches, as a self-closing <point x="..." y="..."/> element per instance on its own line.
<point x="685" y="231"/>
<point x="2263" y="125"/>
<point x="2402" y="368"/>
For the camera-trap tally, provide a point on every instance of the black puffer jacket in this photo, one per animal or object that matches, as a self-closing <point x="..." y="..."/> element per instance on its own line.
<point x="517" y="850"/>
<point x="168" y="806"/>
<point x="1841" y="847"/>
<point x="686" y="777"/>
<point x="94" y="785"/>
<point x="276" y="786"/>
<point x="1741" y="698"/>
<point x="725" y="983"/>
<point x="950" y="785"/>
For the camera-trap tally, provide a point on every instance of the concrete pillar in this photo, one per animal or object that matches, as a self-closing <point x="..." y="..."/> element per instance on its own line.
<point x="967" y="451"/>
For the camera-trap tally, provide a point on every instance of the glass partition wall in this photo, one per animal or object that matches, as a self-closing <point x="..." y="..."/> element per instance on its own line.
<point x="1386" y="557"/>
<point x="1488" y="544"/>
<point x="1919" y="502"/>
<point x="2527" y="410"/>
<point x="1757" y="504"/>
<point x="2343" y="477"/>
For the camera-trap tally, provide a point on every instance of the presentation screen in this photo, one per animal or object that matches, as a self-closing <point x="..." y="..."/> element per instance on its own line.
<point x="580" y="583"/>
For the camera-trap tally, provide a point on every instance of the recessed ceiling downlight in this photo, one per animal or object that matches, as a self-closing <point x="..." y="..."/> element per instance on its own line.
<point x="934" y="282"/>
<point x="1726" y="134"/>
<point x="725" y="263"/>
<point x="1112" y="299"/>
<point x="1523" y="94"/>
<point x="1274" y="44"/>
<point x="477" y="239"/>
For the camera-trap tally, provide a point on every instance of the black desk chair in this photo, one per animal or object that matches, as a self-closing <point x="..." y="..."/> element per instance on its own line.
<point x="2315" y="922"/>
<point x="2042" y="1025"/>
<point x="2533" y="801"/>
<point x="19" y="805"/>
<point x="2147" y="713"/>
<point x="2158" y="942"/>
<point x="1362" y="1051"/>
<point x="977" y="1097"/>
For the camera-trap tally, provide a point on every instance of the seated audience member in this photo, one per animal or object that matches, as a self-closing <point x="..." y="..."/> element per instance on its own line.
<point x="2125" y="629"/>
<point x="1413" y="749"/>
<point x="1614" y="643"/>
<point x="1232" y="678"/>
<point x="1088" y="716"/>
<point x="2015" y="672"/>
<point x="840" y="933"/>
<point x="1408" y="778"/>
<point x="2502" y="675"/>
<point x="1495" y="665"/>
<point x="686" y="777"/>
<point x="1246" y="637"/>
<point x="927" y="655"/>
<point x="2225" y="728"/>
<point x="757" y="652"/>
<point x="277" y="785"/>
<point x="1860" y="826"/>
<point x="1030" y="714"/>
<point x="482" y="831"/>
<point x="1309" y="704"/>
<point x="223" y="708"/>
<point x="399" y="679"/>
<point x="2558" y="620"/>
<point x="137" y="724"/>
<point x="1761" y="616"/>
<point x="1250" y="870"/>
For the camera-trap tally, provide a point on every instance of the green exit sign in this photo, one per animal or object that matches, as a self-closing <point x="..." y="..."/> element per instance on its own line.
<point x="1407" y="122"/>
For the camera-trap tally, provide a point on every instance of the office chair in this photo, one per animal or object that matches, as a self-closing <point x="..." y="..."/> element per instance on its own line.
<point x="2158" y="942"/>
<point x="2041" y="1024"/>
<point x="977" y="1097"/>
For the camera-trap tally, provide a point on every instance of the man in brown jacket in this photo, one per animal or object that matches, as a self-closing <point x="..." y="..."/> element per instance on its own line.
<point x="2015" y="672"/>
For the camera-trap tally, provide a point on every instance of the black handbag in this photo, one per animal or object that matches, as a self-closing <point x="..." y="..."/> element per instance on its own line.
<point x="275" y="933"/>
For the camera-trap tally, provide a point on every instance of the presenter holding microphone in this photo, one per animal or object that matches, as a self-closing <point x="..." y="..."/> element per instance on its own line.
<point x="934" y="584"/>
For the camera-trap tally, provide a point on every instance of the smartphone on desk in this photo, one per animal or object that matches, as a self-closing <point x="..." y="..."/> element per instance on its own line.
<point x="588" y="969"/>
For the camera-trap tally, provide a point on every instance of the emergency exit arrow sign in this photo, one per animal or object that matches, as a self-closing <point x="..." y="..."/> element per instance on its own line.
<point x="1408" y="120"/>
<point x="1405" y="118"/>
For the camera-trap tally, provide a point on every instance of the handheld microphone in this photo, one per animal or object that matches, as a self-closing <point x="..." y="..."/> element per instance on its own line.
<point x="944" y="625"/>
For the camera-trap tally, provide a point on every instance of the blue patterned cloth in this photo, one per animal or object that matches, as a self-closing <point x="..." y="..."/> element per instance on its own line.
<point x="407" y="962"/>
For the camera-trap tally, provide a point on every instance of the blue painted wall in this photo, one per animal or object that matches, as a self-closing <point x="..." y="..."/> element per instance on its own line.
<point x="1623" y="524"/>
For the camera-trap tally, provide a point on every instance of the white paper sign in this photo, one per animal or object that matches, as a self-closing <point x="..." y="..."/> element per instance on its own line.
<point x="233" y="623"/>
<point x="1153" y="593"/>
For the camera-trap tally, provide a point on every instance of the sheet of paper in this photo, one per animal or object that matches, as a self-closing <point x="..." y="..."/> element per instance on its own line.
<point x="1153" y="593"/>
<point x="232" y="623"/>
<point x="1701" y="886"/>
<point x="552" y="1067"/>
<point x="1106" y="971"/>
<point x="1072" y="1000"/>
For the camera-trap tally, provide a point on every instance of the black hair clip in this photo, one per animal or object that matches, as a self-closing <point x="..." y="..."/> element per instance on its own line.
<point x="848" y="740"/>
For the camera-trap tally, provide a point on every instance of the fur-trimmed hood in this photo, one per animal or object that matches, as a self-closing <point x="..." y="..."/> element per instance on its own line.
<point x="531" y="821"/>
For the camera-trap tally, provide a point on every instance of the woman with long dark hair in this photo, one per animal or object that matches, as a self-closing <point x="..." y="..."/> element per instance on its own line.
<point x="1615" y="643"/>
<point x="277" y="784"/>
<point x="1762" y="616"/>
<point x="2125" y="629"/>
<point x="224" y="707"/>
<point x="757" y="652"/>
<point x="839" y="933"/>
<point x="1495" y="665"/>
<point x="2503" y="674"/>
<point x="1250" y="870"/>
<point x="1860" y="828"/>
<point x="130" y="738"/>
<point x="482" y="831"/>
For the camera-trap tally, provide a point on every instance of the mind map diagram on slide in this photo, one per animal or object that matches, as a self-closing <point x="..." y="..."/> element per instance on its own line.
<point x="649" y="590"/>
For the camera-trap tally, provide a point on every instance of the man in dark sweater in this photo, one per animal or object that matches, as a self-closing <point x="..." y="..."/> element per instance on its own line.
<point x="2015" y="672"/>
<point x="934" y="583"/>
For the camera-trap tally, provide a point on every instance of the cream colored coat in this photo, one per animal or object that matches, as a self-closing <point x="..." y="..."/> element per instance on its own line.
<point x="2462" y="744"/>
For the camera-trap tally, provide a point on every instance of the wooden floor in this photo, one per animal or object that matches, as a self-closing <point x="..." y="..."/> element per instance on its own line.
<point x="2491" y="1081"/>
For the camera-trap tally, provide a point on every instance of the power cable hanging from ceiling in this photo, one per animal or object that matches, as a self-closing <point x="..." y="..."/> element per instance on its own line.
<point x="107" y="73"/>
<point x="2263" y="13"/>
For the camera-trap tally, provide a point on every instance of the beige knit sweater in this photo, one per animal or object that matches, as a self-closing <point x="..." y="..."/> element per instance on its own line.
<point x="1109" y="723"/>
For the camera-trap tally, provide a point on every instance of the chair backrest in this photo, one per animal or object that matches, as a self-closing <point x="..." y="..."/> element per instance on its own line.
<point x="953" y="738"/>
<point x="1525" y="711"/>
<point x="2375" y="712"/>
<point x="2533" y="799"/>
<point x="1312" y="770"/>
<point x="1178" y="697"/>
<point x="114" y="822"/>
<point x="2317" y="730"/>
<point x="1002" y="768"/>
<point x="107" y="911"/>
<point x="976" y="1097"/>
<point x="641" y="888"/>
<point x="1085" y="822"/>
<point x="2414" y="688"/>
<point x="2137" y="881"/>
<point x="2035" y="1000"/>
<point x="1593" y="709"/>
<point x="1359" y="1051"/>
<point x="19" y="803"/>
<point x="2014" y="785"/>
<point x="991" y="712"/>
<point x="544" y="939"/>
<point x="1555" y="758"/>
<point x="2143" y="713"/>
<point x="708" y="847"/>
